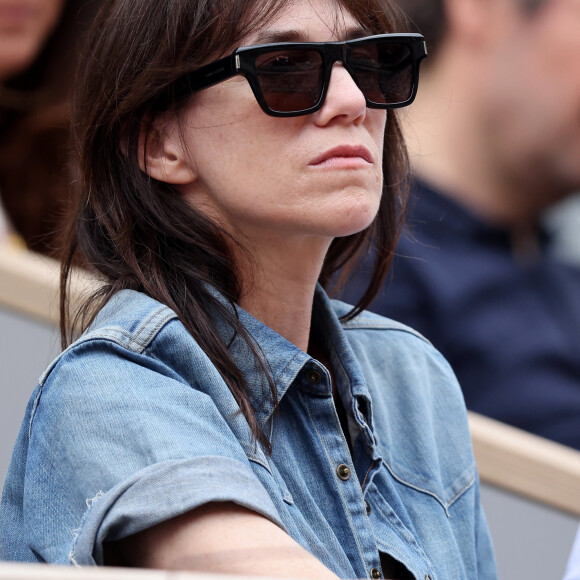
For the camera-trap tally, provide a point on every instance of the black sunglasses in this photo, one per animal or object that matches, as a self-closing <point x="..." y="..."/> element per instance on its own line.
<point x="291" y="78"/>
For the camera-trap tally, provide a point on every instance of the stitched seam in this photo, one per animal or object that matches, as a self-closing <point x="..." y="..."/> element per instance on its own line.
<point x="113" y="337"/>
<point x="366" y="475"/>
<point x="149" y="333"/>
<point x="445" y="505"/>
<point x="461" y="491"/>
<point x="33" y="412"/>
<point x="417" y="488"/>
<point x="371" y="325"/>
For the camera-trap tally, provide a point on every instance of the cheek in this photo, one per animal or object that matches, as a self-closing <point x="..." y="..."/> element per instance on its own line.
<point x="226" y="121"/>
<point x="238" y="165"/>
<point x="242" y="155"/>
<point x="231" y="139"/>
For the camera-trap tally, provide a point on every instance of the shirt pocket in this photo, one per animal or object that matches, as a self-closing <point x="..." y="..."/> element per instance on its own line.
<point x="445" y="486"/>
<point x="428" y="526"/>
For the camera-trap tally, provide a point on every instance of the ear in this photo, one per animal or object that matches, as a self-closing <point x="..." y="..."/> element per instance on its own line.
<point x="162" y="154"/>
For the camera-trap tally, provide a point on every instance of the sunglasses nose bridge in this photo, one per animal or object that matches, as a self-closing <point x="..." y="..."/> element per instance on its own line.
<point x="331" y="52"/>
<point x="335" y="52"/>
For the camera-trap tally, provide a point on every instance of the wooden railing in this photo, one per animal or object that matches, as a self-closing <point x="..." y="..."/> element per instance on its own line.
<point x="45" y="572"/>
<point x="29" y="283"/>
<point x="527" y="465"/>
<point x="507" y="458"/>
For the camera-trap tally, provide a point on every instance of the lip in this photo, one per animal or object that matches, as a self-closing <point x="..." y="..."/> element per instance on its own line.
<point x="344" y="152"/>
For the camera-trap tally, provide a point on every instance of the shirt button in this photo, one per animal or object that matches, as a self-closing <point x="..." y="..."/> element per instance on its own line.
<point x="343" y="471"/>
<point x="376" y="573"/>
<point x="313" y="377"/>
<point x="368" y="507"/>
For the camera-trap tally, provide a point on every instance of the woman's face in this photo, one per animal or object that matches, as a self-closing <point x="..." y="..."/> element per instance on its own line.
<point x="24" y="27"/>
<point x="278" y="179"/>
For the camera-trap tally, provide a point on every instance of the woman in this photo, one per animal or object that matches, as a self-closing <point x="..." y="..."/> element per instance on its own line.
<point x="216" y="414"/>
<point x="25" y="28"/>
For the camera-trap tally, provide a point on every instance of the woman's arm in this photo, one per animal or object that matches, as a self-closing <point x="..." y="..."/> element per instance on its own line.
<point x="219" y="538"/>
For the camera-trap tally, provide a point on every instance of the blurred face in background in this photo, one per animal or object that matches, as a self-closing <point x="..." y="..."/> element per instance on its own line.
<point x="25" y="26"/>
<point x="532" y="96"/>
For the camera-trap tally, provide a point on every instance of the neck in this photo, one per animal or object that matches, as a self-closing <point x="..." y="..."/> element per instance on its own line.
<point x="451" y="148"/>
<point x="279" y="287"/>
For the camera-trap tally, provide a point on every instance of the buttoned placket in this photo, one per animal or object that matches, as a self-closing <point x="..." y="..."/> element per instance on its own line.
<point x="317" y="382"/>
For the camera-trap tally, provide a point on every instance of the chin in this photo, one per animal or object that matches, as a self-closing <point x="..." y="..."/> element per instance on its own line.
<point x="351" y="224"/>
<point x="355" y="216"/>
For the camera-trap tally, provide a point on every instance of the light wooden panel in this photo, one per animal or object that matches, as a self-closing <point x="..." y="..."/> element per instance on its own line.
<point x="50" y="572"/>
<point x="525" y="464"/>
<point x="29" y="284"/>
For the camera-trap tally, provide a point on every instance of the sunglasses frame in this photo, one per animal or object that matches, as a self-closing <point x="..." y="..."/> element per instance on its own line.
<point x="242" y="62"/>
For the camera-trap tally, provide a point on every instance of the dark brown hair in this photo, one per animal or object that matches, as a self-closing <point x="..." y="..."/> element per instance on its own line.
<point x="139" y="233"/>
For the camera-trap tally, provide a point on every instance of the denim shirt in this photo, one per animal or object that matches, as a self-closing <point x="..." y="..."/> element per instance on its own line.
<point x="133" y="425"/>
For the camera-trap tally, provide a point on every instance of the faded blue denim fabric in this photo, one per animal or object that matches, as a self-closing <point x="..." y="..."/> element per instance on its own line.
<point x="133" y="425"/>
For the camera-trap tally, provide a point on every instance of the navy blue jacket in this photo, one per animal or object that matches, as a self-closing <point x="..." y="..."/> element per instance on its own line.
<point x="507" y="321"/>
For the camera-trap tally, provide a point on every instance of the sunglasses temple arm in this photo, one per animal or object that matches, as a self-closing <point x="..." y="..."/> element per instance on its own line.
<point x="209" y="75"/>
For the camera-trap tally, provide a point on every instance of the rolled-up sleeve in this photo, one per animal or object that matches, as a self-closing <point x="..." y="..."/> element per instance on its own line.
<point x="118" y="443"/>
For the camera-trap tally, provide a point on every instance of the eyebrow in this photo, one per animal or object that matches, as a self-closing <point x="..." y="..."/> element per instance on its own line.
<point x="274" y="36"/>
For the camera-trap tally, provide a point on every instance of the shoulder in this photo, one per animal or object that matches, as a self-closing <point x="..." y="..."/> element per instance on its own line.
<point x="131" y="409"/>
<point x="131" y="328"/>
<point x="392" y="352"/>
<point x="418" y="409"/>
<point x="386" y="343"/>
<point x="135" y="365"/>
<point x="130" y="318"/>
<point x="370" y="324"/>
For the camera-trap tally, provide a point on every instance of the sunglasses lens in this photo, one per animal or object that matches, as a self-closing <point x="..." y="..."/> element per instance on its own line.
<point x="383" y="71"/>
<point x="290" y="80"/>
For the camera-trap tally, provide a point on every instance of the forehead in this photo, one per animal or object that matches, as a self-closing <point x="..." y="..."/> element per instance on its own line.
<point x="308" y="21"/>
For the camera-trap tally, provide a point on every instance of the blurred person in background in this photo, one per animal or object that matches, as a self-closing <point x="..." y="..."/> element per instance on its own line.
<point x="25" y="26"/>
<point x="39" y="42"/>
<point x="494" y="140"/>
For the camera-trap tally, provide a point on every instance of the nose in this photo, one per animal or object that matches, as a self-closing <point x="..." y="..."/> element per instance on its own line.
<point x="344" y="100"/>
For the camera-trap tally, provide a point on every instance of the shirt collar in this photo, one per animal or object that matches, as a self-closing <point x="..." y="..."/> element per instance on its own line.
<point x="283" y="359"/>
